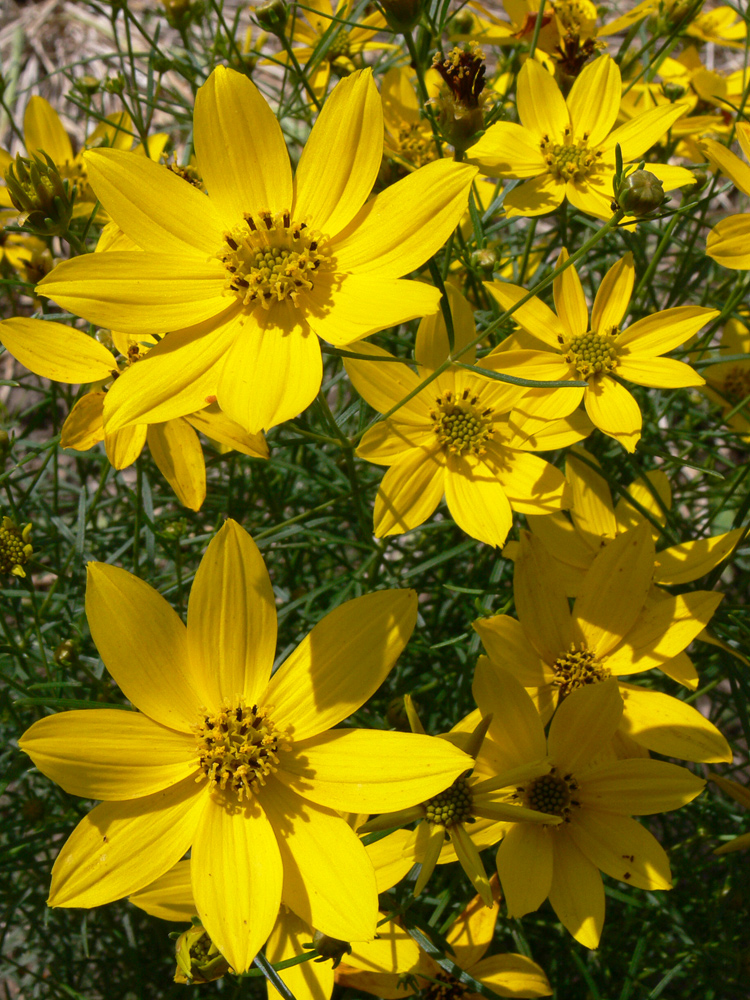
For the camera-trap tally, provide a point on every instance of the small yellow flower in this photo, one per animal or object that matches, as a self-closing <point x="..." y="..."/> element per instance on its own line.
<point x="728" y="242"/>
<point x="565" y="147"/>
<point x="721" y="25"/>
<point x="15" y="547"/>
<point x="570" y="346"/>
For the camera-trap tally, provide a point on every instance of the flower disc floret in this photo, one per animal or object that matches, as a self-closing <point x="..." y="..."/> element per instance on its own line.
<point x="551" y="794"/>
<point x="569" y="160"/>
<point x="271" y="258"/>
<point x="15" y="547"/>
<point x="576" y="668"/>
<point x="461" y="424"/>
<point x="592" y="353"/>
<point x="452" y="806"/>
<point x="238" y="748"/>
<point x="737" y="384"/>
<point x="443" y="987"/>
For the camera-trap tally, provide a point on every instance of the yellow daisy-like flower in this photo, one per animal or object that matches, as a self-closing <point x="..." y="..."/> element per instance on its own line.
<point x="456" y="438"/>
<point x="395" y="966"/>
<point x="409" y="139"/>
<point x="728" y="382"/>
<point x="594" y="795"/>
<point x="566" y="146"/>
<point x="64" y="354"/>
<point x="251" y="275"/>
<point x="15" y="547"/>
<point x="728" y="242"/>
<point x="570" y="346"/>
<point x="239" y="766"/>
<point x="721" y="25"/>
<point x="616" y="627"/>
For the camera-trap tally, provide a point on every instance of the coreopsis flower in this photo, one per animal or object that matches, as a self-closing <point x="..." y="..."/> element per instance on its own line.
<point x="740" y="793"/>
<point x="67" y="355"/>
<point x="460" y="821"/>
<point x="728" y="382"/>
<point x="727" y="243"/>
<point x="19" y="249"/>
<point x="409" y="139"/>
<point x="595" y="520"/>
<point x="565" y="147"/>
<point x="395" y="966"/>
<point x="15" y="547"/>
<point x="594" y="795"/>
<point x="458" y="437"/>
<point x="616" y="627"/>
<point x="721" y="25"/>
<point x="569" y="345"/>
<point x="247" y="278"/>
<point x="241" y="767"/>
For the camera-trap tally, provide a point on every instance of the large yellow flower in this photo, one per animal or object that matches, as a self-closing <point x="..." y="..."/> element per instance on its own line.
<point x="248" y="277"/>
<point x="566" y="146"/>
<point x="230" y="760"/>
<point x="569" y="346"/>
<point x="618" y="626"/>
<point x="593" y="794"/>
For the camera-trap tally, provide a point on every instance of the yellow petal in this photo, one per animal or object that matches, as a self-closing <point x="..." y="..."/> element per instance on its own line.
<point x="532" y="485"/>
<point x="105" y="753"/>
<point x="661" y="373"/>
<point x="691" y="560"/>
<point x="231" y="630"/>
<point x="84" y="427"/>
<point x="341" y="159"/>
<point x="541" y="603"/>
<point x="613" y="296"/>
<point x="638" y="787"/>
<point x="273" y="369"/>
<point x="240" y="149"/>
<point x="154" y="206"/>
<point x="432" y="347"/>
<point x="670" y="727"/>
<point x="237" y="878"/>
<point x="663" y="331"/>
<point x="124" y="446"/>
<point x="584" y="723"/>
<point x="56" y="351"/>
<point x="342" y="662"/>
<point x="641" y="132"/>
<point x="308" y="980"/>
<point x="170" y="897"/>
<point x="516" y="728"/>
<point x="512" y="976"/>
<point x="537" y="196"/>
<point x="471" y="933"/>
<point x="614" y="591"/>
<point x="534" y="315"/>
<point x="387" y="441"/>
<point x="727" y="243"/>
<point x="592" y="512"/>
<point x="524" y="865"/>
<point x="594" y="100"/>
<point x="218" y="427"/>
<point x="385" y="384"/>
<point x="570" y="301"/>
<point x="43" y="131"/>
<point x="149" y="661"/>
<point x="138" y="292"/>
<point x="729" y="164"/>
<point x="477" y="501"/>
<point x="394" y="950"/>
<point x="389" y="860"/>
<point x="362" y="770"/>
<point x="577" y="893"/>
<point x="120" y="847"/>
<point x="329" y="880"/>
<point x="507" y="645"/>
<point x="614" y="411"/>
<point x="410" y="491"/>
<point x="509" y="150"/>
<point x="175" y="448"/>
<point x="541" y="106"/>
<point x="399" y="229"/>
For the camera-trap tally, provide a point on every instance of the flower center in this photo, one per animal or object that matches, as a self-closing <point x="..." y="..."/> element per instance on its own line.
<point x="270" y="258"/>
<point x="442" y="987"/>
<point x="238" y="748"/>
<point x="737" y="384"/>
<point x="592" y="353"/>
<point x="576" y="668"/>
<point x="340" y="46"/>
<point x="416" y="143"/>
<point x="551" y="794"/>
<point x="15" y="548"/>
<point x="461" y="426"/>
<point x="452" y="806"/>
<point x="569" y="160"/>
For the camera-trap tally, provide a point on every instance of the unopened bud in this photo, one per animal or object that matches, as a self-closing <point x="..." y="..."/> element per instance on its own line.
<point x="272" y="16"/>
<point x="88" y="85"/>
<point x="329" y="947"/>
<point x="484" y="260"/>
<point x="402" y="15"/>
<point x="198" y="958"/>
<point x="673" y="91"/>
<point x="115" y="84"/>
<point x="36" y="188"/>
<point x="5" y="445"/>
<point x="66" y="654"/>
<point x="640" y="193"/>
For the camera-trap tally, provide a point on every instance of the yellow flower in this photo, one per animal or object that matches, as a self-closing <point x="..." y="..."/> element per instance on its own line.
<point x="248" y="277"/>
<point x="460" y="821"/>
<point x="569" y="346"/>
<point x="594" y="796"/>
<point x="617" y="626"/>
<point x="409" y="138"/>
<point x="15" y="547"/>
<point x="566" y="146"/>
<point x="727" y="243"/>
<point x="740" y="794"/>
<point x="456" y="438"/>
<point x="722" y="25"/>
<point x="67" y="355"/>
<point x="728" y="382"/>
<point x="394" y="966"/>
<point x="231" y="762"/>
<point x="574" y="543"/>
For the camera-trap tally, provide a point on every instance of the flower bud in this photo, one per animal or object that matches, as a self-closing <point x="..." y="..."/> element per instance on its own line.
<point x="5" y="445"/>
<point x="484" y="260"/>
<point x="402" y="15"/>
<point x="272" y="16"/>
<point x="198" y="958"/>
<point x="640" y="193"/>
<point x="36" y="188"/>
<point x="330" y="947"/>
<point x="66" y="654"/>
<point x="459" y="107"/>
